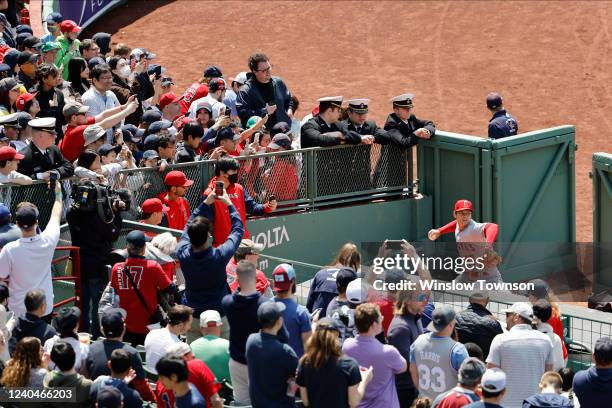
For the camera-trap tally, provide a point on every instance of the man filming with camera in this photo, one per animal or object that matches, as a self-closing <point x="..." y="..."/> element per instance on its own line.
<point x="95" y="223"/>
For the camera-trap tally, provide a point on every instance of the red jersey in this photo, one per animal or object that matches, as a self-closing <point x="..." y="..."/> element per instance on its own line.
<point x="178" y="211"/>
<point x="557" y="325"/>
<point x="262" y="282"/>
<point x="199" y="375"/>
<point x="148" y="277"/>
<point x="72" y="145"/>
<point x="386" y="310"/>
<point x="193" y="93"/>
<point x="222" y="225"/>
<point x="282" y="179"/>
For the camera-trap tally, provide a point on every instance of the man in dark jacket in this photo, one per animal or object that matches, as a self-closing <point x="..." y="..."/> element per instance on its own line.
<point x="204" y="266"/>
<point x="31" y="324"/>
<point x="50" y="98"/>
<point x="325" y="130"/>
<point x="263" y="94"/>
<point x="95" y="237"/>
<point x="42" y="156"/>
<point x="594" y="385"/>
<point x="405" y="130"/>
<point x="476" y="324"/>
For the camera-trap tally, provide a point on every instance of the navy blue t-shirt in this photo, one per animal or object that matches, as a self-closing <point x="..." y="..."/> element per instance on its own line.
<point x="502" y="124"/>
<point x="271" y="364"/>
<point x="322" y="290"/>
<point x="328" y="386"/>
<point x="193" y="399"/>
<point x="241" y="312"/>
<point x="593" y="386"/>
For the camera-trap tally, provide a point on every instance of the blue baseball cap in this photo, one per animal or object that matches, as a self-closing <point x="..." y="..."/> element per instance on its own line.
<point x="54" y="17"/>
<point x="5" y="214"/>
<point x="26" y="216"/>
<point x="136" y="238"/>
<point x="150" y="116"/>
<point x="150" y="154"/>
<point x="159" y="126"/>
<point x="269" y="312"/>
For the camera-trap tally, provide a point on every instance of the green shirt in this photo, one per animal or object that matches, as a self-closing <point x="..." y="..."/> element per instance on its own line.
<point x="214" y="351"/>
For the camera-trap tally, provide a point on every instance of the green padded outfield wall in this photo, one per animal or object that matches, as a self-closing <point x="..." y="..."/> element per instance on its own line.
<point x="524" y="183"/>
<point x="315" y="237"/>
<point x="602" y="218"/>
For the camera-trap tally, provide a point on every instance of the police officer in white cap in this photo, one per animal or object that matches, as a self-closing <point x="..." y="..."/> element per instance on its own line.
<point x="10" y="127"/>
<point x="404" y="129"/>
<point x="324" y="129"/>
<point x="42" y="156"/>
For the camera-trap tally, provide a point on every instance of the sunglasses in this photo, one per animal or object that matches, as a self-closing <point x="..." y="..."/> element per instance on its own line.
<point x="422" y="297"/>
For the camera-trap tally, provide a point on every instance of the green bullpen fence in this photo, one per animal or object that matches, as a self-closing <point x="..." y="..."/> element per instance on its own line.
<point x="524" y="183"/>
<point x="602" y="218"/>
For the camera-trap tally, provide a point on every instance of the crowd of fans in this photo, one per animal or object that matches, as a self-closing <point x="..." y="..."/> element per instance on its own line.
<point x="190" y="322"/>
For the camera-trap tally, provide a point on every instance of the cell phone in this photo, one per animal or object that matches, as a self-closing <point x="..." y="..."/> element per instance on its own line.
<point x="257" y="138"/>
<point x="228" y="112"/>
<point x="394" y="244"/>
<point x="219" y="189"/>
<point x="271" y="197"/>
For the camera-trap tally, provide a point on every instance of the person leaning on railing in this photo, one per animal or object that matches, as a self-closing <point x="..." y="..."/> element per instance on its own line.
<point x="42" y="156"/>
<point x="226" y="171"/>
<point x="204" y="266"/>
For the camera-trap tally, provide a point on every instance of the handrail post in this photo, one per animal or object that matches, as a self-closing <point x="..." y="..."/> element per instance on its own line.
<point x="409" y="153"/>
<point x="311" y="178"/>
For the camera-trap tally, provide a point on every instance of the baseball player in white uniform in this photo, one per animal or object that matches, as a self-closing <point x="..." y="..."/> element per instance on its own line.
<point x="474" y="240"/>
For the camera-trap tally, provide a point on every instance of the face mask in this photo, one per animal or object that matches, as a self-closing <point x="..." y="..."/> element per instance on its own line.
<point x="232" y="178"/>
<point x="125" y="71"/>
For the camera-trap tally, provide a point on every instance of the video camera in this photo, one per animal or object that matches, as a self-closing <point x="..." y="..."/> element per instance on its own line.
<point x="91" y="197"/>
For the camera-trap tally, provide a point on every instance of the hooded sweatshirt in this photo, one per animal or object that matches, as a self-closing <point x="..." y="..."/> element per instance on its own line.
<point x="241" y="312"/>
<point x="82" y="385"/>
<point x="547" y="399"/>
<point x="219" y="213"/>
<point x="593" y="386"/>
<point x="30" y="325"/>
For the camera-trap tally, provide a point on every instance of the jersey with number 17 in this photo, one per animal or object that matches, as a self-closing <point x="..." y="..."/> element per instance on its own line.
<point x="148" y="276"/>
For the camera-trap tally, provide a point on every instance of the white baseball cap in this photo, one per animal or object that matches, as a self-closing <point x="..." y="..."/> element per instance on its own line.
<point x="522" y="309"/>
<point x="493" y="380"/>
<point x="210" y="318"/>
<point x="356" y="292"/>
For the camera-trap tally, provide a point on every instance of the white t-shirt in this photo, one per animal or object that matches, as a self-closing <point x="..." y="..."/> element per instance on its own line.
<point x="522" y="354"/>
<point x="217" y="107"/>
<point x="557" y="346"/>
<point x="156" y="344"/>
<point x="12" y="176"/>
<point x="80" y="350"/>
<point x="27" y="262"/>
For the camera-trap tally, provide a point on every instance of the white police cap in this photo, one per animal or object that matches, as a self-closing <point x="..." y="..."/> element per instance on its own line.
<point x="332" y="100"/>
<point x="359" y="105"/>
<point x="42" y="123"/>
<point x="10" y="120"/>
<point x="403" y="100"/>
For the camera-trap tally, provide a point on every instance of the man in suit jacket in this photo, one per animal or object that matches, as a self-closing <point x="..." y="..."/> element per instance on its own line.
<point x="404" y="129"/>
<point x="42" y="155"/>
<point x="325" y="130"/>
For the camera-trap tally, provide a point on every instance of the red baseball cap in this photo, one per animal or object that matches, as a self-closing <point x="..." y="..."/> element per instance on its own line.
<point x="23" y="99"/>
<point x="8" y="153"/>
<point x="283" y="277"/>
<point x="168" y="98"/>
<point x="461" y="205"/>
<point x="69" y="26"/>
<point x="152" y="205"/>
<point x="177" y="179"/>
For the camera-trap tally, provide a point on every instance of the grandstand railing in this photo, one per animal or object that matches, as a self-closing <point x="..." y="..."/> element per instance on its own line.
<point x="70" y="279"/>
<point x="304" y="179"/>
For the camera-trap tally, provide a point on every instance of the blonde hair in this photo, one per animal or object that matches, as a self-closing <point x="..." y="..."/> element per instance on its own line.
<point x="348" y="256"/>
<point x="320" y="347"/>
<point x="552" y="378"/>
<point x="25" y="358"/>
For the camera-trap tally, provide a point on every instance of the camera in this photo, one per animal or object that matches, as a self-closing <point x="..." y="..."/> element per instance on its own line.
<point x="91" y="197"/>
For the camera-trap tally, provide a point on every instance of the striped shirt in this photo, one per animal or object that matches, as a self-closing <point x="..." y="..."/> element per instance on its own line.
<point x="522" y="354"/>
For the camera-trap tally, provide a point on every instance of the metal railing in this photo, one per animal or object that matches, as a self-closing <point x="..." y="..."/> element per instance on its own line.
<point x="299" y="179"/>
